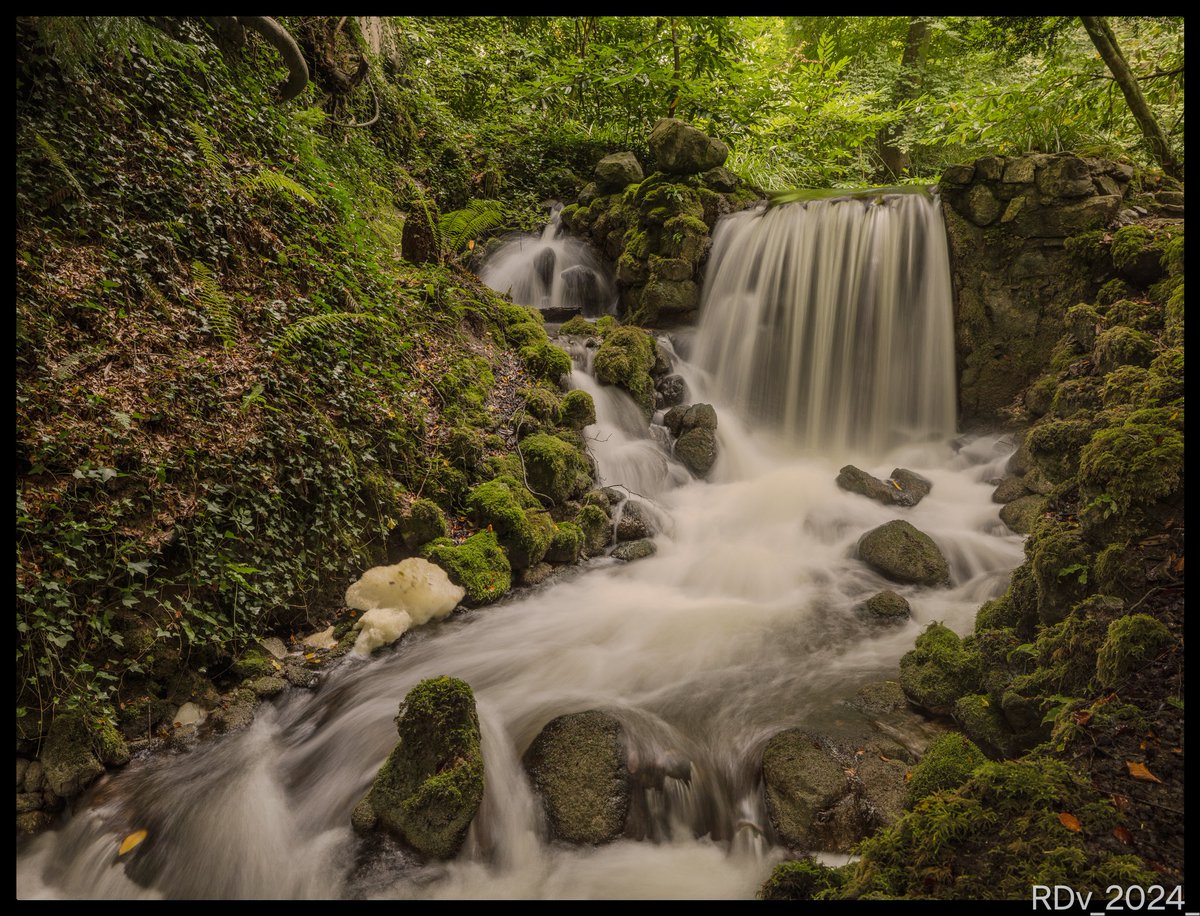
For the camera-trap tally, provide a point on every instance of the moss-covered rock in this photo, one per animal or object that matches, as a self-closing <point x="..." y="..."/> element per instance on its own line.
<point x="800" y="879"/>
<point x="1131" y="642"/>
<point x="1138" y="254"/>
<point x="554" y="468"/>
<point x="253" y="663"/>
<point x="938" y="670"/>
<point x="904" y="554"/>
<point x="596" y="527"/>
<point x="479" y="565"/>
<point x="76" y="750"/>
<point x="542" y="403"/>
<point x="546" y="361"/>
<point x="946" y="764"/>
<point x="423" y="522"/>
<point x="1022" y="513"/>
<point x="985" y="725"/>
<point x="802" y="780"/>
<point x="681" y="149"/>
<point x="522" y="530"/>
<point x="578" y="327"/>
<point x="625" y="359"/>
<point x="567" y="543"/>
<point x="1122" y="346"/>
<point x="578" y="410"/>
<point x="428" y="790"/>
<point x="1054" y="446"/>
<point x="577" y="765"/>
<point x="634" y="550"/>
<point x="885" y="607"/>
<point x="1059" y="563"/>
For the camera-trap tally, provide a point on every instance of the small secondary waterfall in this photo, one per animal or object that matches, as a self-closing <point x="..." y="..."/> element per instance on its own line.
<point x="742" y="624"/>
<point x="553" y="272"/>
<point x="832" y="320"/>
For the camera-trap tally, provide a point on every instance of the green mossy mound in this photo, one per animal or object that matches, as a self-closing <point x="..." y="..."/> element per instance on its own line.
<point x="76" y="750"/>
<point x="428" y="790"/>
<point x="938" y="670"/>
<point x="946" y="764"/>
<point x="1131" y="641"/>
<point x="478" y="564"/>
<point x="423" y="522"/>
<point x="596" y="527"/>
<point x="521" y="526"/>
<point x="578" y="410"/>
<point x="625" y="359"/>
<point x="567" y="543"/>
<point x="555" y="469"/>
<point x="801" y="879"/>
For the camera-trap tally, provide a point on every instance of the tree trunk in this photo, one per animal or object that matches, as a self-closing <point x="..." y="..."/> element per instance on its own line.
<point x="1105" y="41"/>
<point x="908" y="87"/>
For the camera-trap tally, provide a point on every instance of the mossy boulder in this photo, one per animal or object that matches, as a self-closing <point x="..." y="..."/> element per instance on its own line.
<point x="596" y="527"/>
<point x="978" y="717"/>
<point x="578" y="410"/>
<point x="577" y="764"/>
<point x="1137" y="254"/>
<point x="885" y="607"/>
<point x="946" y="764"/>
<point x="938" y="670"/>
<point x="1022" y="513"/>
<point x="616" y="172"/>
<point x="635" y="550"/>
<point x="1054" y="446"/>
<point x="681" y="149"/>
<point x="1122" y="346"/>
<point x="253" y="663"/>
<point x="76" y="750"/>
<point x="900" y="552"/>
<point x="521" y="526"/>
<point x="428" y="790"/>
<point x="546" y="361"/>
<point x="625" y="359"/>
<point x="802" y="780"/>
<point x="800" y="879"/>
<point x="1131" y="642"/>
<point x="542" y="403"/>
<point x="554" y="468"/>
<point x="478" y="565"/>
<point x="567" y="543"/>
<point x="423" y="522"/>
<point x="578" y="327"/>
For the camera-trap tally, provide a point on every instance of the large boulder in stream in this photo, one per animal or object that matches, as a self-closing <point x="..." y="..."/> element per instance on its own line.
<point x="904" y="554"/>
<point x="428" y="790"/>
<point x="826" y="794"/>
<point x="577" y="764"/>
<point x="681" y="149"/>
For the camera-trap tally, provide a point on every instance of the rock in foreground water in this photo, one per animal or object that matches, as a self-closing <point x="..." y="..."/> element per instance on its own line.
<point x="904" y="554"/>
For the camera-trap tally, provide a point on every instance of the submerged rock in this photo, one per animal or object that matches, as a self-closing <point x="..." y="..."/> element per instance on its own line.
<point x="885" y="607"/>
<point x="636" y="522"/>
<point x="904" y="554"/>
<point x="635" y="550"/>
<point x="577" y="764"/>
<point x="428" y="790"/>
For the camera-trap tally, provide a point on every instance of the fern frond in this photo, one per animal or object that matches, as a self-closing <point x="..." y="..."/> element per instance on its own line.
<point x="277" y="182"/>
<point x="217" y="306"/>
<point x="388" y="226"/>
<point x="204" y="143"/>
<point x="477" y="217"/>
<point x="58" y="162"/>
<point x="310" y="118"/>
<point x="316" y="325"/>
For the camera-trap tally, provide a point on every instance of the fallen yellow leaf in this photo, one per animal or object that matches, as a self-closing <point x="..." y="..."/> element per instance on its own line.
<point x="130" y="842"/>
<point x="1139" y="771"/>
<point x="1070" y="821"/>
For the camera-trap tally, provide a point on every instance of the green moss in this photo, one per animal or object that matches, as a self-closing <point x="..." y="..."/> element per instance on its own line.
<point x="554" y="468"/>
<point x="938" y="670"/>
<point x="1040" y="395"/>
<point x="578" y="410"/>
<point x="1054" y="446"/>
<point x="1129" y="243"/>
<point x="996" y="614"/>
<point x="996" y="836"/>
<point x="1059" y="562"/>
<point x="946" y="764"/>
<point x="596" y="527"/>
<point x="479" y="565"/>
<point x="1112" y="291"/>
<point x="1083" y="322"/>
<point x="1131" y="465"/>
<point x="1130" y="643"/>
<point x="1122" y="346"/>
<point x="1087" y="245"/>
<point x="546" y="361"/>
<point x="524" y="532"/>
<point x="1074" y="396"/>
<point x="423" y="522"/>
<point x="566" y="544"/>
<point x="253" y="664"/>
<point x="979" y="718"/>
<point x="625" y="359"/>
<point x="1173" y="255"/>
<point x="541" y="402"/>
<point x="1137" y="314"/>
<point x="801" y="879"/>
<point x="1124" y="385"/>
<point x="577" y="327"/>
<point x="606" y="324"/>
<point x="1165" y="384"/>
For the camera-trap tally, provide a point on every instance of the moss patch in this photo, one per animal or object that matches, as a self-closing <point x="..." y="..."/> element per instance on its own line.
<point x="478" y="564"/>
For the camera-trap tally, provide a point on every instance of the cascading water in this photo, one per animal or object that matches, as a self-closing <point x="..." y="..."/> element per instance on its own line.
<point x="741" y="625"/>
<point x="833" y="321"/>
<point x="553" y="272"/>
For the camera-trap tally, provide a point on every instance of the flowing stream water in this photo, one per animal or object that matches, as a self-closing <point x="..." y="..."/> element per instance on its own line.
<point x="742" y="624"/>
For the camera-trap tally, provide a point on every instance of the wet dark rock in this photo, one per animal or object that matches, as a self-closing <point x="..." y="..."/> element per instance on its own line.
<point x="581" y="286"/>
<point x="636" y="522"/>
<point x="903" y="488"/>
<point x="1021" y="513"/>
<point x="577" y="764"/>
<point x="544" y="263"/>
<point x="634" y="550"/>
<point x="671" y="390"/>
<point x="616" y="172"/>
<point x="902" y="553"/>
<point x="1010" y="488"/>
<point x="268" y="686"/>
<point x="885" y="607"/>
<point x="697" y="449"/>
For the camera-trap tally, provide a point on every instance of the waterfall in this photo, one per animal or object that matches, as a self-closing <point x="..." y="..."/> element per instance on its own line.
<point x="831" y="320"/>
<point x="742" y="624"/>
<point x="560" y="275"/>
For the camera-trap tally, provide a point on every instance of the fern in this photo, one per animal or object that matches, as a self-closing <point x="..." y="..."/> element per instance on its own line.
<point x="310" y="118"/>
<point x="477" y="217"/>
<point x="280" y="183"/>
<point x="217" y="306"/>
<point x="318" y="325"/>
<point x="58" y="162"/>
<point x="78" y="43"/>
<point x="388" y="226"/>
<point x="204" y="143"/>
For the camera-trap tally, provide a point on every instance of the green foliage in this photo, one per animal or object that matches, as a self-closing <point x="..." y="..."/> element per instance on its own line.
<point x="317" y="327"/>
<point x="1131" y="642"/>
<point x="204" y="143"/>
<point x="477" y="218"/>
<point x="217" y="306"/>
<point x="279" y="183"/>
